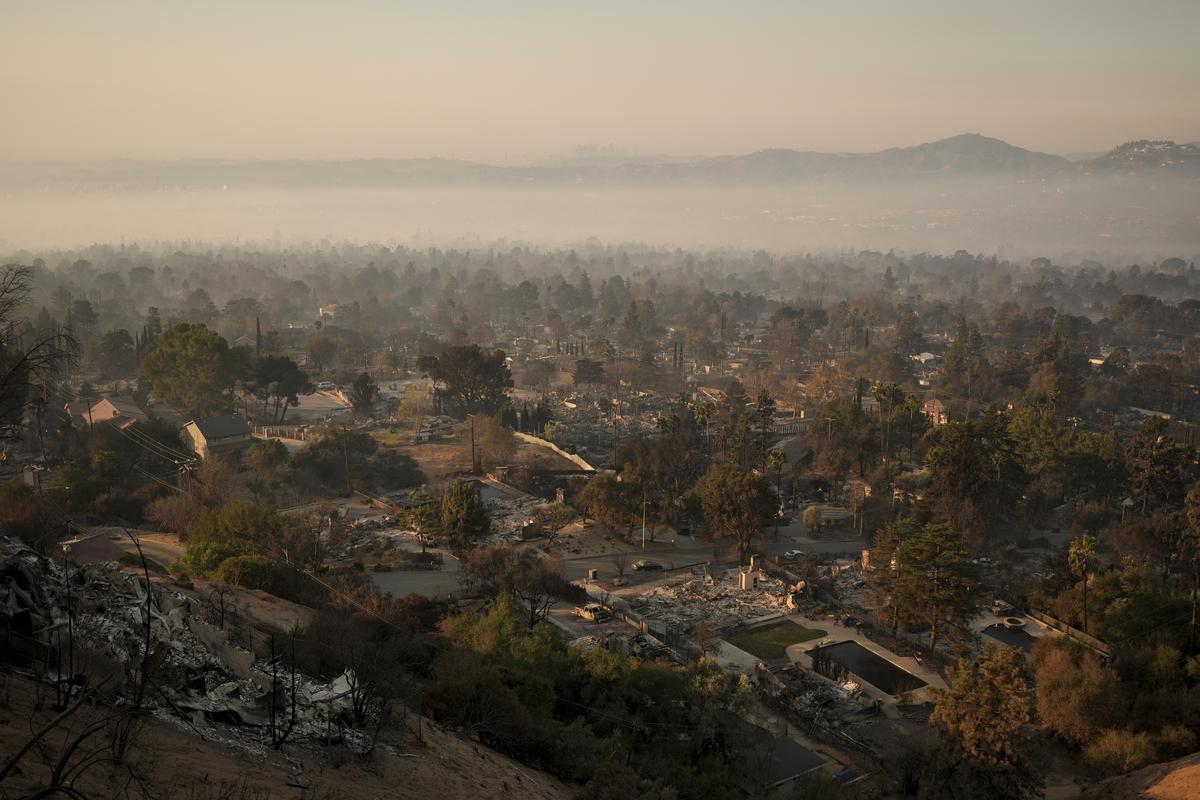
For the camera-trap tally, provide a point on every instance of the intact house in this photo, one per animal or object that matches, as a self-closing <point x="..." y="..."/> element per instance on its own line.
<point x="218" y="437"/>
<point x="120" y="412"/>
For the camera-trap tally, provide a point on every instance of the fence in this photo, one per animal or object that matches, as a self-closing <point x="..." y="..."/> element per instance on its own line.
<point x="300" y="432"/>
<point x="1072" y="632"/>
<point x="574" y="459"/>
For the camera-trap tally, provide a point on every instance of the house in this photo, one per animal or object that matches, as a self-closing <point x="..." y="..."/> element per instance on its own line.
<point x="936" y="411"/>
<point x="225" y="436"/>
<point x="927" y="360"/>
<point x="119" y="411"/>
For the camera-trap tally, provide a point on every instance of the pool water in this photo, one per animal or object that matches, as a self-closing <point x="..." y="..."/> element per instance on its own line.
<point x="1013" y="637"/>
<point x="862" y="663"/>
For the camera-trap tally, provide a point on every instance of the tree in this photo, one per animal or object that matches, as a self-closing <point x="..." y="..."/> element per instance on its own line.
<point x="364" y="394"/>
<point x="30" y="517"/>
<point x="1154" y="465"/>
<point x="888" y="396"/>
<point x="235" y="529"/>
<point x="539" y="372"/>
<point x="1081" y="555"/>
<point x="661" y="470"/>
<point x="609" y="500"/>
<point x="553" y="518"/>
<point x="279" y="379"/>
<point x="529" y="578"/>
<point x="960" y="455"/>
<point x="370" y="466"/>
<point x="464" y="517"/>
<point x="266" y="455"/>
<point x="473" y="380"/>
<point x="988" y="710"/>
<point x="813" y="519"/>
<point x="764" y="420"/>
<point x="776" y="458"/>
<point x="83" y="318"/>
<point x="733" y="426"/>
<point x="883" y="576"/>
<point x="936" y="578"/>
<point x="26" y="365"/>
<point x="320" y="350"/>
<point x="416" y="405"/>
<point x="736" y="505"/>
<point x="175" y="512"/>
<point x="494" y="442"/>
<point x="589" y="372"/>
<point x="1193" y="517"/>
<point x="115" y="356"/>
<point x="1077" y="696"/>
<point x="192" y="368"/>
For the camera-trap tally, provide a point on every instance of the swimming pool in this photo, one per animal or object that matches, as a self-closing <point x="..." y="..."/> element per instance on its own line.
<point x="857" y="660"/>
<point x="1013" y="637"/>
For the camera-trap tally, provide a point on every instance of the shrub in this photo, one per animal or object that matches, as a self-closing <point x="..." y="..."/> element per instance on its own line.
<point x="1175" y="740"/>
<point x="1118" y="751"/>
<point x="257" y="572"/>
<point x="29" y="517"/>
<point x="266" y="455"/>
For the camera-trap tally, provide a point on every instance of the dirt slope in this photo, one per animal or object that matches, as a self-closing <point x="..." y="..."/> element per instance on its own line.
<point x="176" y="762"/>
<point x="1171" y="780"/>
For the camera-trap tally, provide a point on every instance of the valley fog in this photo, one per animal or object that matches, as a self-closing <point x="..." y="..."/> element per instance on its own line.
<point x="1135" y="219"/>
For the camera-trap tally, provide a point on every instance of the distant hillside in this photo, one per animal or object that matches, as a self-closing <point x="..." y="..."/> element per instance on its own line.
<point x="1144" y="155"/>
<point x="968" y="155"/>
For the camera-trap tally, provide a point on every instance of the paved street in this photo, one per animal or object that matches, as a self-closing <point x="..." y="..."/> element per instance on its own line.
<point x="687" y="550"/>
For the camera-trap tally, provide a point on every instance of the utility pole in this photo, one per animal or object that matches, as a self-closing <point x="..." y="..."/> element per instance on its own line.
<point x="643" y="519"/>
<point x="346" y="455"/>
<point x="474" y="463"/>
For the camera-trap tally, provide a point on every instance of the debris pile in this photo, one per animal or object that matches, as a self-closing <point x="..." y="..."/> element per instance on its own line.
<point x="80" y="625"/>
<point x="715" y="601"/>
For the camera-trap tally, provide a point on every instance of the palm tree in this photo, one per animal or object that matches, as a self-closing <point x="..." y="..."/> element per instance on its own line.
<point x="887" y="396"/>
<point x="703" y="412"/>
<point x="1081" y="556"/>
<point x="776" y="458"/>
<point x="1193" y="516"/>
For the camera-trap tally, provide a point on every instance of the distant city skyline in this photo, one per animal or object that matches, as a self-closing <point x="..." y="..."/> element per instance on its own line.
<point x="531" y="79"/>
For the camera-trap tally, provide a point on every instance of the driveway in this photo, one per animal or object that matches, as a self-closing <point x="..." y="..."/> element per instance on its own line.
<point x="427" y="582"/>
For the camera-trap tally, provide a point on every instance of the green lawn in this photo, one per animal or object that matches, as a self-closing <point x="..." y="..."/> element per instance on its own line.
<point x="772" y="641"/>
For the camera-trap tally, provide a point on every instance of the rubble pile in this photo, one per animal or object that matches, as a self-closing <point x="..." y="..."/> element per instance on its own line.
<point x="715" y="601"/>
<point x="199" y="679"/>
<point x="509" y="517"/>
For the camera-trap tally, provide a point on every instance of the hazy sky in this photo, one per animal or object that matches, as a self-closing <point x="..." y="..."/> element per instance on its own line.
<point x="523" y="79"/>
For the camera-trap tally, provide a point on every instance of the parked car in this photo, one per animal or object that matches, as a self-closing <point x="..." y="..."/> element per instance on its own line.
<point x="594" y="612"/>
<point x="792" y="555"/>
<point x="326" y="386"/>
<point x="642" y="565"/>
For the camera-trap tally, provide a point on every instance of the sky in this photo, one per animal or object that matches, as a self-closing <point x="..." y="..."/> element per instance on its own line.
<point x="527" y="79"/>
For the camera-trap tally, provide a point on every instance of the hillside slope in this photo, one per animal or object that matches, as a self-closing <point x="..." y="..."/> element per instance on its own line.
<point x="171" y="760"/>
<point x="1171" y="780"/>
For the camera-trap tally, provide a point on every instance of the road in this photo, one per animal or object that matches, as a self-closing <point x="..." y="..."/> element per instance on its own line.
<point x="427" y="582"/>
<point x="109" y="542"/>
<point x="688" y="550"/>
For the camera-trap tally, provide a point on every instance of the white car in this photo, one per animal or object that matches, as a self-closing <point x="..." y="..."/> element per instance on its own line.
<point x="326" y="386"/>
<point x="792" y="555"/>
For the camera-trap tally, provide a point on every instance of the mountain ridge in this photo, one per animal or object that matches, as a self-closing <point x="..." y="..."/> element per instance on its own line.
<point x="962" y="155"/>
